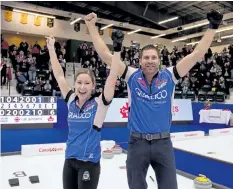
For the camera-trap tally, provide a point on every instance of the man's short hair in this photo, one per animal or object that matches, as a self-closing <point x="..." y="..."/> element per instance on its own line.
<point x="148" y="47"/>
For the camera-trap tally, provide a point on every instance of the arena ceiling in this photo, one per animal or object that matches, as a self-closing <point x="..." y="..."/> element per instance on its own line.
<point x="147" y="14"/>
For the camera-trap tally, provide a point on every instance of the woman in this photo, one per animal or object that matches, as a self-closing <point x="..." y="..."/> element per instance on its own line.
<point x="86" y="115"/>
<point x="32" y="68"/>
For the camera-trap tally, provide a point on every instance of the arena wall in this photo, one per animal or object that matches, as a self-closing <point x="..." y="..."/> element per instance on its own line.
<point x="63" y="29"/>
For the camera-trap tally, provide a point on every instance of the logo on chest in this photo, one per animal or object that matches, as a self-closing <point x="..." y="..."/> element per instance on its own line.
<point x="158" y="96"/>
<point x="160" y="83"/>
<point x="141" y="82"/>
<point x="86" y="112"/>
<point x="74" y="115"/>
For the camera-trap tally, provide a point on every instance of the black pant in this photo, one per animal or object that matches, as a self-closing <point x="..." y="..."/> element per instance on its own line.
<point x="3" y="75"/>
<point x="157" y="153"/>
<point x="80" y="175"/>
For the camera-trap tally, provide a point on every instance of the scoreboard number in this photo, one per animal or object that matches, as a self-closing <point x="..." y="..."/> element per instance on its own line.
<point x="8" y="99"/>
<point x="28" y="109"/>
<point x="52" y="100"/>
<point x="51" y="112"/>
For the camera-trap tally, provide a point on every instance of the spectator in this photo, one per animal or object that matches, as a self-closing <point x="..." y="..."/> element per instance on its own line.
<point x="165" y="56"/>
<point x="21" y="78"/>
<point x="23" y="46"/>
<point x="13" y="60"/>
<point x="4" y="48"/>
<point x="32" y="68"/>
<point x="22" y="63"/>
<point x="12" y="47"/>
<point x="36" y="50"/>
<point x="230" y="48"/>
<point x="215" y="85"/>
<point x="47" y="86"/>
<point x="62" y="61"/>
<point x="3" y="71"/>
<point x="185" y="85"/>
<point x="215" y="69"/>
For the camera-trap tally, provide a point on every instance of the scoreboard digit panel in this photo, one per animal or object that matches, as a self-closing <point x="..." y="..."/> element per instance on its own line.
<point x="28" y="109"/>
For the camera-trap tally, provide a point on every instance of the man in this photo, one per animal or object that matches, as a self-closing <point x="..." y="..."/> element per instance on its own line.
<point x="150" y="98"/>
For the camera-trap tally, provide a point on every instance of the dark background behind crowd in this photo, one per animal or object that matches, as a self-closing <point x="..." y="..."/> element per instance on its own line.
<point x="34" y="76"/>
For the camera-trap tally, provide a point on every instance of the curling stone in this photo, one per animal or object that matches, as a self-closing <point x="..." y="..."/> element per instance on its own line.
<point x="117" y="149"/>
<point x="202" y="182"/>
<point x="107" y="154"/>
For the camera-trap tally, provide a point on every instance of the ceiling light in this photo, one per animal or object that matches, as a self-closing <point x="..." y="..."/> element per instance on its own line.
<point x="134" y="31"/>
<point x="157" y="36"/>
<point x="76" y="20"/>
<point x="224" y="29"/>
<point x="196" y="25"/>
<point x="193" y="43"/>
<point x="181" y="39"/>
<point x="227" y="36"/>
<point x="168" y="20"/>
<point x="32" y="13"/>
<point x="103" y="28"/>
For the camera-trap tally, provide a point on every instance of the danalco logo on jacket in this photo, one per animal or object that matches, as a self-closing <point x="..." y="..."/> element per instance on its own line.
<point x="86" y="113"/>
<point x="160" y="95"/>
<point x="74" y="115"/>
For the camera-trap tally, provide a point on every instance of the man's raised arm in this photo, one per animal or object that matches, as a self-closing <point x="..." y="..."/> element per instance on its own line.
<point x="186" y="64"/>
<point x="99" y="44"/>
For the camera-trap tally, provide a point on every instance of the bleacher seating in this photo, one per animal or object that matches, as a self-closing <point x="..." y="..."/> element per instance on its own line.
<point x="178" y="94"/>
<point x="210" y="96"/>
<point x="220" y="97"/>
<point x="202" y="96"/>
<point x="190" y="95"/>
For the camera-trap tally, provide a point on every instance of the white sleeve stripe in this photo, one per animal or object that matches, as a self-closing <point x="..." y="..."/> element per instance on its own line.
<point x="170" y="69"/>
<point x="72" y="97"/>
<point x="129" y="73"/>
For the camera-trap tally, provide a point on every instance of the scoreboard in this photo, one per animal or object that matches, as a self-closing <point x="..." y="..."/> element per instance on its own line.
<point x="28" y="109"/>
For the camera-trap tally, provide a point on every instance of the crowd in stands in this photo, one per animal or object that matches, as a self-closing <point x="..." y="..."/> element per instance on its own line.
<point x="30" y="66"/>
<point x="210" y="78"/>
<point x="211" y="75"/>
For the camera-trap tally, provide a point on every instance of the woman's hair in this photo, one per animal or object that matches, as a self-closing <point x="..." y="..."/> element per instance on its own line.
<point x="86" y="71"/>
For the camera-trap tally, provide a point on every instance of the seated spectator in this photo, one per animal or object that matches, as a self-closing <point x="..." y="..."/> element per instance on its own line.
<point x="37" y="86"/>
<point x="185" y="85"/>
<point x="215" y="86"/>
<point x="119" y="89"/>
<point x="21" y="78"/>
<point x="222" y="85"/>
<point x="227" y="70"/>
<point x="194" y="84"/>
<point x="215" y="69"/>
<point x="47" y="86"/>
<point x="208" y="80"/>
<point x="86" y="64"/>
